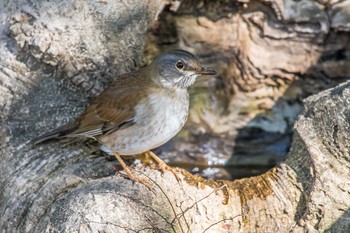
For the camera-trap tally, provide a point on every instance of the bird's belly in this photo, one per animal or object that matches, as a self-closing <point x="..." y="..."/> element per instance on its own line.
<point x="155" y="124"/>
<point x="147" y="138"/>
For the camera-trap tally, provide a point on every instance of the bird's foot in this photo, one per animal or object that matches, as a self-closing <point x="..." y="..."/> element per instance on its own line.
<point x="138" y="179"/>
<point x="162" y="166"/>
<point x="130" y="174"/>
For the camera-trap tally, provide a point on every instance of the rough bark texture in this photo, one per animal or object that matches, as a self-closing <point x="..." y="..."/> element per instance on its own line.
<point x="57" y="55"/>
<point x="270" y="55"/>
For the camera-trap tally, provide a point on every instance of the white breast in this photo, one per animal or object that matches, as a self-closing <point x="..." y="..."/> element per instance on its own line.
<point x="157" y="120"/>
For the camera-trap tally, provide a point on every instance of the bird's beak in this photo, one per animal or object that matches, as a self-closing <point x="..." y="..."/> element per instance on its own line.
<point x="206" y="71"/>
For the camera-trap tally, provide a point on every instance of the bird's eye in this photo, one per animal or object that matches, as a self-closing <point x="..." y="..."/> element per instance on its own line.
<point x="180" y="65"/>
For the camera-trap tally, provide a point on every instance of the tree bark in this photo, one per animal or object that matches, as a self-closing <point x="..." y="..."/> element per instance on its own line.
<point x="56" y="56"/>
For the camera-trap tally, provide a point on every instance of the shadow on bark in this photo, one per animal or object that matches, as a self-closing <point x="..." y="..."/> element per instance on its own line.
<point x="57" y="183"/>
<point x="341" y="225"/>
<point x="263" y="140"/>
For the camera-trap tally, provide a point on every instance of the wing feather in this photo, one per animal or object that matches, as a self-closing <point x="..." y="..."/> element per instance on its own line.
<point x="114" y="107"/>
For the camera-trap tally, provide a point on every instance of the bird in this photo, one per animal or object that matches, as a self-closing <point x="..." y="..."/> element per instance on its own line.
<point x="140" y="110"/>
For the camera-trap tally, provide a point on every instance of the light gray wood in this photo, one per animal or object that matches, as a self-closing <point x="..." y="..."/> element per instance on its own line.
<point x="56" y="56"/>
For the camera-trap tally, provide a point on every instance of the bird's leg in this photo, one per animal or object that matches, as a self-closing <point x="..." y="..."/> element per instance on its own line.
<point x="130" y="174"/>
<point x="163" y="166"/>
<point x="126" y="169"/>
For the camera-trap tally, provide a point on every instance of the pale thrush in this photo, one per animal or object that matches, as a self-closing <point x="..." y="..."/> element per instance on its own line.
<point x="140" y="110"/>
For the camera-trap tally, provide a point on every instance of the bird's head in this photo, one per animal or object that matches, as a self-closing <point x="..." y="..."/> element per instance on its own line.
<point x="179" y="69"/>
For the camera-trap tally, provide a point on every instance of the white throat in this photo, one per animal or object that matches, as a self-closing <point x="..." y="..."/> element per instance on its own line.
<point x="183" y="81"/>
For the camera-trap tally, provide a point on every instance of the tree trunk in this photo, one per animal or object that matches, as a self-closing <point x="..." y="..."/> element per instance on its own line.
<point x="57" y="55"/>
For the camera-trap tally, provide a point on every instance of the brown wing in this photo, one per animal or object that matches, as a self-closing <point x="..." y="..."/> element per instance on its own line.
<point x="113" y="107"/>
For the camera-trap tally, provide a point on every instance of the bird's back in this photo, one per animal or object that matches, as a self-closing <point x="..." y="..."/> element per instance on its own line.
<point x="111" y="109"/>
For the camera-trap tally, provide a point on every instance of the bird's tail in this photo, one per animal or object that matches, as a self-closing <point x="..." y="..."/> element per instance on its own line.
<point x="61" y="132"/>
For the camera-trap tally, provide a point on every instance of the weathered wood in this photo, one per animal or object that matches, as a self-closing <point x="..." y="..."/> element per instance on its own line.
<point x="56" y="56"/>
<point x="270" y="55"/>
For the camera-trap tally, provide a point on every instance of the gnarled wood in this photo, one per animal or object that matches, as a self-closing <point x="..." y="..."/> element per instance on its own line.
<point x="56" y="55"/>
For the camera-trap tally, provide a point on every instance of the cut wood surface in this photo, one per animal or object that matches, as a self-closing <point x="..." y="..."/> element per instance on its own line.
<point x="56" y="56"/>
